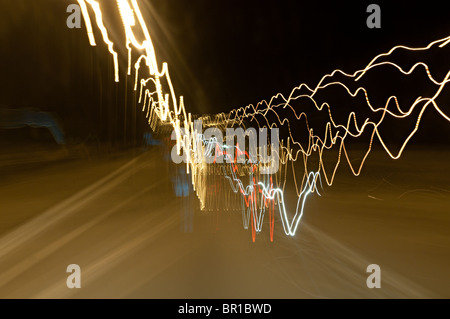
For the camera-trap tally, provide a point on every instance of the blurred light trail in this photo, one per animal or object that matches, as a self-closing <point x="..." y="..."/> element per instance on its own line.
<point x="164" y="108"/>
<point x="99" y="19"/>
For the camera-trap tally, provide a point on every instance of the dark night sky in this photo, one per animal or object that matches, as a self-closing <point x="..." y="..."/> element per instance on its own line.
<point x="221" y="54"/>
<point x="240" y="52"/>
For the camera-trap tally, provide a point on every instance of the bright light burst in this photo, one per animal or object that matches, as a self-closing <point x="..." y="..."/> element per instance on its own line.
<point x="262" y="193"/>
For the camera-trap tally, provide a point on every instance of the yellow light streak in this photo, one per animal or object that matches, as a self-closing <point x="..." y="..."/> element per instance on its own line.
<point x="162" y="106"/>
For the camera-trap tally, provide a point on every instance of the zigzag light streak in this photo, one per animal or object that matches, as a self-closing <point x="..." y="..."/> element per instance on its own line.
<point x="162" y="108"/>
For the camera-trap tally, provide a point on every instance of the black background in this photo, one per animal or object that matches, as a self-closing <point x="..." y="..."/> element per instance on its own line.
<point x="221" y="54"/>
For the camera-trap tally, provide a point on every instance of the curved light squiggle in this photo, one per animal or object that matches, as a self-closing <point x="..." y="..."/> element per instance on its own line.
<point x="162" y="107"/>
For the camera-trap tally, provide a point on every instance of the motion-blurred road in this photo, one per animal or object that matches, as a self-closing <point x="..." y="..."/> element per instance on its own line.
<point x="117" y="217"/>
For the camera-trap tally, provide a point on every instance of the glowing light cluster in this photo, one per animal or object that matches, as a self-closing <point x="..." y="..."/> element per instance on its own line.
<point x="263" y="193"/>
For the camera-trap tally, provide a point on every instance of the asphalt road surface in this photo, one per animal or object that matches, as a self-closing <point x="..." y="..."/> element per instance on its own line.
<point x="118" y="218"/>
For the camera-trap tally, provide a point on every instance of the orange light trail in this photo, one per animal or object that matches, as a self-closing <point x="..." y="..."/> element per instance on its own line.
<point x="162" y="107"/>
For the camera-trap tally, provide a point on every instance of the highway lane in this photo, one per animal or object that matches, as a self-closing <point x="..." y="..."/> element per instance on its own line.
<point x="119" y="220"/>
